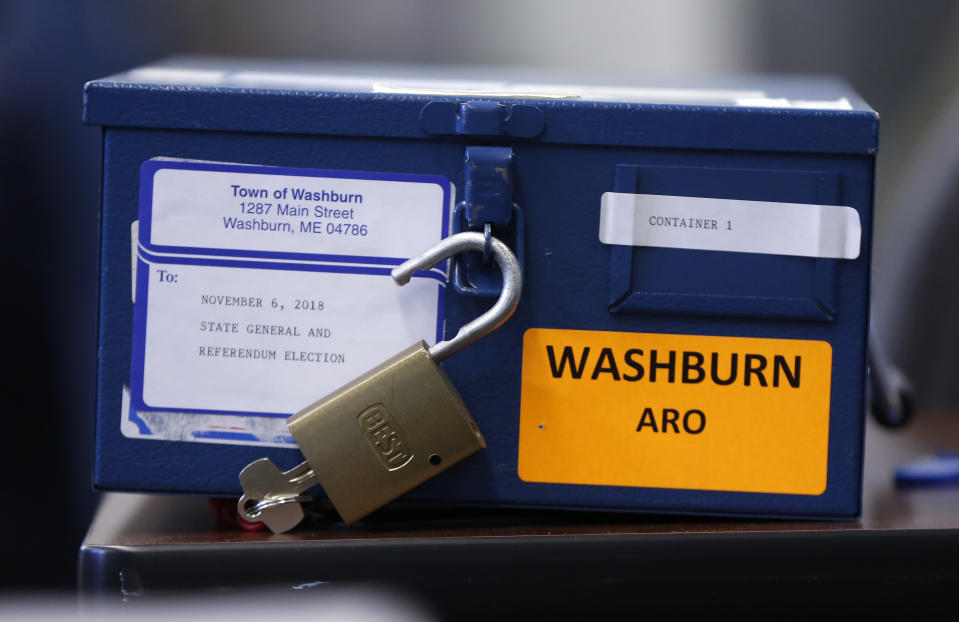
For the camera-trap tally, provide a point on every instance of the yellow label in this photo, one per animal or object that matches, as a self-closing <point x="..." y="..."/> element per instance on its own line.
<point x="675" y="411"/>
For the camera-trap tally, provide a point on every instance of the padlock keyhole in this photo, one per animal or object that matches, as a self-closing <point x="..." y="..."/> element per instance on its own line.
<point x="435" y="459"/>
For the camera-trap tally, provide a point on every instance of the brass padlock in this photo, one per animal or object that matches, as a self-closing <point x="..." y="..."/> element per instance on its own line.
<point x="390" y="429"/>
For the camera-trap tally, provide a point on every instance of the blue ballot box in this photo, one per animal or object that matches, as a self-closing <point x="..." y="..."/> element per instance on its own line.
<point x="692" y="332"/>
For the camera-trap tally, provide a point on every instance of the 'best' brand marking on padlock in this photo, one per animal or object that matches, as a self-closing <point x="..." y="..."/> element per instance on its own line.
<point x="675" y="411"/>
<point x="385" y="437"/>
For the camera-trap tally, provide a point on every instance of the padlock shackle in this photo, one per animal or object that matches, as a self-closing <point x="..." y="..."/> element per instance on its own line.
<point x="497" y="314"/>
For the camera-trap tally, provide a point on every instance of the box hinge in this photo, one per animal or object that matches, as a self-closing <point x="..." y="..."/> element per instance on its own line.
<point x="482" y="118"/>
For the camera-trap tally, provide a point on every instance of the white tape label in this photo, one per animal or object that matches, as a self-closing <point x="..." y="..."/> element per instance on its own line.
<point x="800" y="229"/>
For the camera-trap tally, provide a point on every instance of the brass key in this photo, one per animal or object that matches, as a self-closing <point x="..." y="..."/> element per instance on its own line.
<point x="390" y="429"/>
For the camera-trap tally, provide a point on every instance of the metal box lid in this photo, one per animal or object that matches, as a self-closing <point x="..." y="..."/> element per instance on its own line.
<point x="755" y="113"/>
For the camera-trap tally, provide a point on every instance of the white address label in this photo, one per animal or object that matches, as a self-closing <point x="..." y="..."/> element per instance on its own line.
<point x="800" y="229"/>
<point x="285" y="210"/>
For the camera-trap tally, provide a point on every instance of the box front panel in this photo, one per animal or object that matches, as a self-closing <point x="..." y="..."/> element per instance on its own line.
<point x="572" y="282"/>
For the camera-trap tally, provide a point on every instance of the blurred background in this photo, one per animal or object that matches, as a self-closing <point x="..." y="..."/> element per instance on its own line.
<point x="903" y="57"/>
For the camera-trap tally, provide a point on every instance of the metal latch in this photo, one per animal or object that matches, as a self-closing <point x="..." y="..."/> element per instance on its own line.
<point x="488" y="208"/>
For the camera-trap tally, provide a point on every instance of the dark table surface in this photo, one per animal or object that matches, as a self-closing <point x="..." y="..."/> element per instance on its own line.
<point x="901" y="559"/>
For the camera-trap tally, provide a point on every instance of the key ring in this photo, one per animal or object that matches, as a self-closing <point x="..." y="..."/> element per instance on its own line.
<point x="256" y="510"/>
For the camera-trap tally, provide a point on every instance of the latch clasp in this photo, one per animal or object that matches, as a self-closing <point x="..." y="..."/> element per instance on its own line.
<point x="489" y="208"/>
